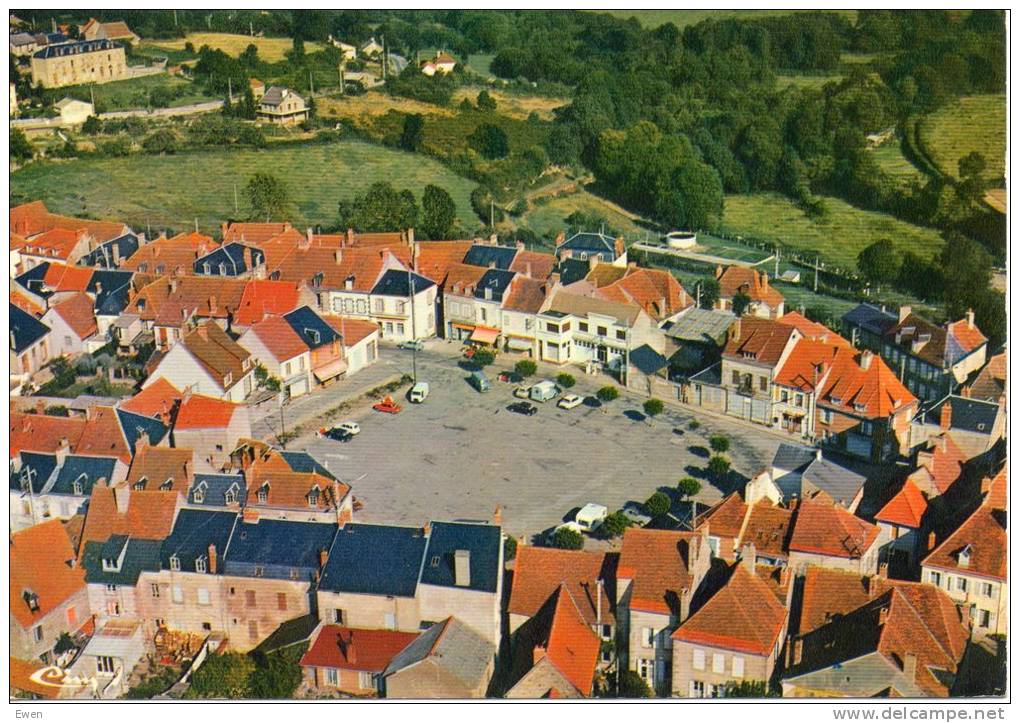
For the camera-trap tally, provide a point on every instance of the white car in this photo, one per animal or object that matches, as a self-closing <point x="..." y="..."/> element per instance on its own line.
<point x="589" y="518"/>
<point x="352" y="427"/>
<point x="569" y="401"/>
<point x="419" y="392"/>
<point x="522" y="392"/>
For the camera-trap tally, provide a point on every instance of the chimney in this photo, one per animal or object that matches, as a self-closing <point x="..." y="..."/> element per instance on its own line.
<point x="223" y="230"/>
<point x="173" y="284"/>
<point x="520" y="245"/>
<point x="462" y="568"/>
<point x="735" y="330"/>
<point x="718" y="270"/>
<point x="748" y="555"/>
<point x="426" y="528"/>
<point x="931" y="541"/>
<point x="965" y="392"/>
<point x="142" y="442"/>
<point x="798" y="650"/>
<point x="874" y="587"/>
<point x="40" y="407"/>
<point x="338" y="256"/>
<point x="63" y="449"/>
<point x="187" y="469"/>
<point x="910" y="666"/>
<point x="350" y="236"/>
<point x="538" y="653"/>
<point x="904" y="313"/>
<point x="410" y="236"/>
<point x="212" y="560"/>
<point x="13" y="341"/>
<point x="560" y="238"/>
<point x="946" y="416"/>
<point x="986" y="485"/>
<point x="970" y="318"/>
<point x="497" y="516"/>
<point x="308" y="235"/>
<point x="323" y="557"/>
<point x="527" y="269"/>
<point x="866" y="357"/>
<point x="965" y="618"/>
<point x="351" y="652"/>
<point x="765" y="280"/>
<point x="122" y="496"/>
<point x="818" y="453"/>
<point x="494" y="239"/>
<point x="247" y="259"/>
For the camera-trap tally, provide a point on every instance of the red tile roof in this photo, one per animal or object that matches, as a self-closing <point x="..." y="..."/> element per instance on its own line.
<point x="758" y="340"/>
<point x="262" y="298"/>
<point x="828" y="593"/>
<point x="57" y="243"/>
<point x="939" y="465"/>
<point x="768" y="528"/>
<point x="990" y="383"/>
<point x="656" y="291"/>
<point x="434" y="258"/>
<point x="864" y="386"/>
<point x="103" y="435"/>
<point x="21" y="678"/>
<point x="906" y="508"/>
<point x="39" y="565"/>
<point x="254" y="233"/>
<point x="808" y="363"/>
<point x="827" y="529"/>
<point x="279" y="338"/>
<point x="158" y="465"/>
<point x="540" y="265"/>
<point x="659" y="563"/>
<point x="26" y="304"/>
<point x="33" y="218"/>
<point x="293" y="490"/>
<point x="352" y="330"/>
<point x="170" y="255"/>
<point x="43" y="433"/>
<point x="461" y="279"/>
<point x="201" y="412"/>
<point x="156" y="400"/>
<point x="61" y="277"/>
<point x="982" y="535"/>
<point x="935" y="344"/>
<point x="573" y="647"/>
<point x="217" y="352"/>
<point x="150" y="514"/>
<point x="813" y="330"/>
<point x="743" y="616"/>
<point x="77" y="312"/>
<point x="539" y="572"/>
<point x="726" y="518"/>
<point x="355" y="648"/>
<point x="172" y="301"/>
<point x="525" y="295"/>
<point x="363" y="266"/>
<point x="736" y="279"/>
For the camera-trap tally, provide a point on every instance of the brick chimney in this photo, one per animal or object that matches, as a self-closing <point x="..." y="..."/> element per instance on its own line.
<point x="410" y="236"/>
<point x="223" y="230"/>
<point x="122" y="496"/>
<point x="748" y="554"/>
<point x="351" y="653"/>
<point x="970" y="318"/>
<point x="904" y="313"/>
<point x="247" y="258"/>
<point x="866" y="358"/>
<point x="561" y="237"/>
<point x="212" y="560"/>
<point x="538" y="653"/>
<point x="497" y="516"/>
<point x="142" y="442"/>
<point x="338" y="257"/>
<point x="718" y="271"/>
<point x="946" y="416"/>
<point x="350" y="237"/>
<point x="910" y="666"/>
<point x="735" y="330"/>
<point x="63" y="449"/>
<point x="931" y="541"/>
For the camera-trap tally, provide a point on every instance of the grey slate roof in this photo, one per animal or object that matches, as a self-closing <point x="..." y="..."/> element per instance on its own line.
<point x="78" y="48"/>
<point x="481" y="541"/>
<point x="805" y="467"/>
<point x="87" y="470"/>
<point x="398" y="283"/>
<point x="232" y="258"/>
<point x="793" y="457"/>
<point x="194" y="531"/>
<point x="969" y="415"/>
<point x="593" y="243"/>
<point x="375" y="559"/>
<point x="102" y="255"/>
<point x="134" y="425"/>
<point x="499" y="257"/>
<point x="875" y="319"/>
<point x="141" y="556"/>
<point x="311" y="327"/>
<point x="647" y="360"/>
<point x="111" y="290"/>
<point x="306" y="463"/>
<point x="705" y="326"/>
<point x="278" y="546"/>
<point x="497" y="281"/>
<point x="452" y="646"/>
<point x="214" y="488"/>
<point x="25" y="329"/>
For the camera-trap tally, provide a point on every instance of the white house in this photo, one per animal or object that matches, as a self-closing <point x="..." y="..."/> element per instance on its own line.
<point x="74" y="112"/>
<point x="208" y="362"/>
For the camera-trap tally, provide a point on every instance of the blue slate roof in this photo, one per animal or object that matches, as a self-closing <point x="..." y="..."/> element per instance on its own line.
<point x="26" y="330"/>
<point x="134" y="425"/>
<point x="82" y="46"/>
<point x="398" y="283"/>
<point x="871" y="318"/>
<point x="793" y="457"/>
<point x="593" y="243"/>
<point x="968" y="415"/>
<point x="375" y="559"/>
<point x="482" y="541"/>
<point x="194" y="531"/>
<point x="33" y="279"/>
<point x="83" y="469"/>
<point x="305" y="463"/>
<point x="499" y="256"/>
<point x="35" y="467"/>
<point x="103" y="255"/>
<point x="229" y="260"/>
<point x="312" y="328"/>
<point x="277" y="546"/>
<point x="140" y="556"/>
<point x="572" y="270"/>
<point x="111" y="291"/>
<point x="647" y="360"/>
<point x="497" y="281"/>
<point x="214" y="488"/>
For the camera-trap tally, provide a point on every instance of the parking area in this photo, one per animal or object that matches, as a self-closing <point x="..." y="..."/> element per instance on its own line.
<point x="461" y="453"/>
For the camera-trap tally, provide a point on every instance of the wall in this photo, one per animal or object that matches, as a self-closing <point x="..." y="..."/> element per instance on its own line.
<point x="369" y="611"/>
<point x="63" y="340"/>
<point x="67" y="617"/>
<point x="756" y="667"/>
<point x="188" y="615"/>
<point x="477" y="610"/>
<point x="348" y="681"/>
<point x="997" y="605"/>
<point x="212" y="445"/>
<point x="182" y="370"/>
<point x="100" y="600"/>
<point x="428" y="680"/>
<point x="266" y="614"/>
<point x="96" y="67"/>
<point x="867" y="564"/>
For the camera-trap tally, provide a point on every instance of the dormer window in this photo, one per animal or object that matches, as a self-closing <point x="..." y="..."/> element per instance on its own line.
<point x="223" y="269"/>
<point x="168" y="484"/>
<point x="201" y="564"/>
<point x="230" y="496"/>
<point x="859" y="407"/>
<point x="228" y="379"/>
<point x="32" y="600"/>
<point x="263" y="494"/>
<point x="313" y="334"/>
<point x="78" y="486"/>
<point x="836" y="400"/>
<point x="206" y="268"/>
<point x="143" y="267"/>
<point x="140" y="484"/>
<point x="317" y="279"/>
<point x="275" y="276"/>
<point x="199" y="495"/>
<point x="175" y="563"/>
<point x="313" y="497"/>
<point x="160" y="269"/>
<point x="963" y="559"/>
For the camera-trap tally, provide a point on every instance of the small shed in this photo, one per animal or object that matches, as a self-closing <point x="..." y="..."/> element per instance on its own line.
<point x="74" y="112"/>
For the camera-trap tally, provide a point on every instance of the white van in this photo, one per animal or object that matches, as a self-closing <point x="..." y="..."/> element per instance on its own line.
<point x="419" y="392"/>
<point x="543" y="391"/>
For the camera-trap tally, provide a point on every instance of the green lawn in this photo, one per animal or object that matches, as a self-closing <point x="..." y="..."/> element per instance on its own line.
<point x="890" y="159"/>
<point x="548" y="219"/>
<point x="133" y="93"/>
<point x="975" y="123"/>
<point x="480" y="64"/>
<point x="814" y="82"/>
<point x="839" y="237"/>
<point x="172" y="191"/>
<point x="683" y="18"/>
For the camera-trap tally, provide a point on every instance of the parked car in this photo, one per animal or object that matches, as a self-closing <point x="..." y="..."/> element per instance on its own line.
<point x="387" y="405"/>
<point x="592" y="402"/>
<point x="508" y="376"/>
<point x="336" y="433"/>
<point x="419" y="392"/>
<point x="636" y="514"/>
<point x="524" y="408"/>
<point x="589" y="518"/>
<point x="412" y="345"/>
<point x="352" y="427"/>
<point x="543" y="391"/>
<point x="569" y="401"/>
<point x="522" y="392"/>
<point x="479" y="382"/>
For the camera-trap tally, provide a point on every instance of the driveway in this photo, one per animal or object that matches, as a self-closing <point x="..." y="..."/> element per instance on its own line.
<point x="461" y="453"/>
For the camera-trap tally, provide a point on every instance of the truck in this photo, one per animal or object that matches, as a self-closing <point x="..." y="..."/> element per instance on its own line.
<point x="419" y="393"/>
<point x="543" y="391"/>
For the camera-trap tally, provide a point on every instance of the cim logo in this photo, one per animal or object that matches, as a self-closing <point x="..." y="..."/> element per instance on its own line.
<point x="55" y="677"/>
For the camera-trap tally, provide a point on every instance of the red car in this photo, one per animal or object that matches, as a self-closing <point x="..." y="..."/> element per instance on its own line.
<point x="387" y="405"/>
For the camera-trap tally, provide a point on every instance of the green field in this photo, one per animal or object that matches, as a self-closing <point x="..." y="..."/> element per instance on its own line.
<point x="134" y="93"/>
<point x="480" y="64"/>
<point x="975" y="123"/>
<point x="890" y="159"/>
<point x="814" y="82"/>
<point x="683" y="18"/>
<point x="172" y="191"/>
<point x="728" y="249"/>
<point x="839" y="237"/>
<point x="549" y="218"/>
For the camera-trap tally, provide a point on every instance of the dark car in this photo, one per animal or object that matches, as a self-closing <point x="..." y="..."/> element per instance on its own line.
<point x="524" y="408"/>
<point x="338" y="434"/>
<point x="592" y="402"/>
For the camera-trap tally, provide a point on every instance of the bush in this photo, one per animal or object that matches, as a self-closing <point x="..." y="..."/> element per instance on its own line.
<point x="161" y="141"/>
<point x="272" y="384"/>
<point x="222" y="676"/>
<point x="567" y="539"/>
<point x="486" y="102"/>
<point x="490" y="140"/>
<point x="155" y="685"/>
<point x="657" y="504"/>
<point x="57" y="410"/>
<point x="519" y="208"/>
<point x="688" y="487"/>
<point x="694" y="425"/>
<point x="719" y="443"/>
<point x="526" y="367"/>
<point x="614" y="525"/>
<point x="483" y="357"/>
<point x="566" y="381"/>
<point x="632" y="685"/>
<point x="608" y="393"/>
<point x="653" y="407"/>
<point x="115" y="148"/>
<point x="718" y="466"/>
<point x="509" y="548"/>
<point x="92" y="126"/>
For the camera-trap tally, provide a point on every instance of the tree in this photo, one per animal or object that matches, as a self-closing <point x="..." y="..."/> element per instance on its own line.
<point x="565" y="381"/>
<point x="438" y="213"/>
<point x="486" y="102"/>
<point x="489" y="140"/>
<point x="608" y="393"/>
<point x="972" y="164"/>
<point x="414" y="132"/>
<point x="718" y="466"/>
<point x="614" y="525"/>
<point x="747" y="689"/>
<point x="20" y="148"/>
<point x="92" y="126"/>
<point x="222" y="676"/>
<point x="267" y="196"/>
<point x="709" y="292"/>
<point x="657" y="504"/>
<point x="509" y="548"/>
<point x="526" y="367"/>
<point x="688" y="487"/>
<point x="483" y="357"/>
<point x="65" y="642"/>
<point x="653" y="407"/>
<point x="719" y="443"/>
<point x="879" y="262"/>
<point x="276" y="676"/>
<point x="740" y="303"/>
<point x="564" y="145"/>
<point x="163" y="141"/>
<point x="567" y="539"/>
<point x="382" y="208"/>
<point x="632" y="685"/>
<point x="694" y="425"/>
<point x="246" y="108"/>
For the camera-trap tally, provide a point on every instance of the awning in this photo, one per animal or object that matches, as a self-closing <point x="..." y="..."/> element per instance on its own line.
<point x="484" y="335"/>
<point x="518" y="344"/>
<point x="465" y="327"/>
<point x="328" y="371"/>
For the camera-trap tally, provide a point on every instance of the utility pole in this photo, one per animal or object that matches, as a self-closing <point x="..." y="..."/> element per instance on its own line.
<point x="816" y="274"/>
<point x="92" y="95"/>
<point x="340" y="71"/>
<point x="283" y="429"/>
<point x="230" y="90"/>
<point x="384" y="58"/>
<point x="196" y="224"/>
<point x="251" y="28"/>
<point x="175" y="18"/>
<point x="311" y="83"/>
<point x="235" y="199"/>
<point x="414" y="336"/>
<point x="776" y="275"/>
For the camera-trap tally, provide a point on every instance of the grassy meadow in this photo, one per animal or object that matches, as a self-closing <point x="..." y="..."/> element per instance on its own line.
<point x="975" y="123"/>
